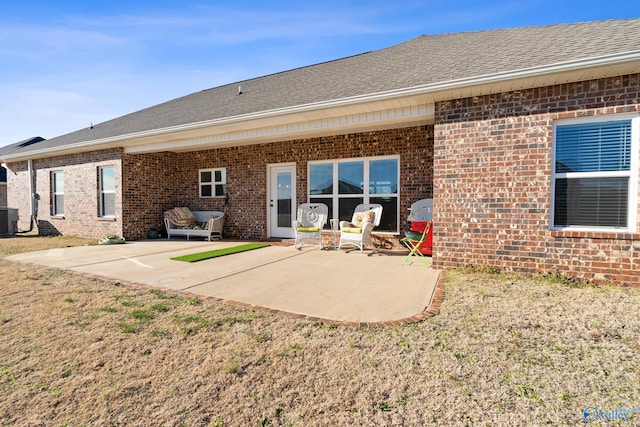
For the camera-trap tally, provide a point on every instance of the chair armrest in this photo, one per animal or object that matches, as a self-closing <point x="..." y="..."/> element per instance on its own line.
<point x="215" y="223"/>
<point x="344" y="224"/>
<point x="168" y="224"/>
<point x="368" y="227"/>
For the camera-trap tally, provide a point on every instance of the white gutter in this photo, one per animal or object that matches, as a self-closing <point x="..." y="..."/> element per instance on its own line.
<point x="609" y="60"/>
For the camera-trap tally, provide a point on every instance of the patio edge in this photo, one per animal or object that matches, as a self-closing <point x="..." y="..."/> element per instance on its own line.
<point x="431" y="310"/>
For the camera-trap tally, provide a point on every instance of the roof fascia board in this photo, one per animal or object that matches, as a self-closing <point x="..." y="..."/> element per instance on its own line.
<point x="530" y="73"/>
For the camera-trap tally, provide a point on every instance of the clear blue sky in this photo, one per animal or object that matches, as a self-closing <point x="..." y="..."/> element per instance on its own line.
<point x="67" y="64"/>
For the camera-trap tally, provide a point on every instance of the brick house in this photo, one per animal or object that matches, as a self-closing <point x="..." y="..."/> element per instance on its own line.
<point x="527" y="139"/>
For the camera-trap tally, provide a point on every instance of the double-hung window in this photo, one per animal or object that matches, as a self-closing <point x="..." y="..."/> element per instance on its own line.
<point x="595" y="174"/>
<point x="343" y="184"/>
<point x="213" y="182"/>
<point x="57" y="186"/>
<point x="107" y="191"/>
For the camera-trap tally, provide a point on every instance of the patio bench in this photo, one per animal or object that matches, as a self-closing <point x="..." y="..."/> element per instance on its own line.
<point x="182" y="221"/>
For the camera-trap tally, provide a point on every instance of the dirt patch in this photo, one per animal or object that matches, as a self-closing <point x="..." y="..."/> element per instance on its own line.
<point x="504" y="350"/>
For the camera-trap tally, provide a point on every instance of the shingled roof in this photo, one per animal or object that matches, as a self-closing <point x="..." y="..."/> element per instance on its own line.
<point x="422" y="61"/>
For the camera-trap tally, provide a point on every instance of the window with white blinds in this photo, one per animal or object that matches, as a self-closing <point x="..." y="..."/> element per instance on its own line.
<point x="594" y="175"/>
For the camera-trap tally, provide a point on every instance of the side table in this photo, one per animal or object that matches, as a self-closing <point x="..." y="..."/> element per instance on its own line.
<point x="335" y="223"/>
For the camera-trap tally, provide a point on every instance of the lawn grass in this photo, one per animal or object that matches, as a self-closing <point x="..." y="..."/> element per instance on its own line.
<point x="503" y="350"/>
<point x="200" y="256"/>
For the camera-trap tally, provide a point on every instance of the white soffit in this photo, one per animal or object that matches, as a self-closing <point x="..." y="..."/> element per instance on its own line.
<point x="322" y="122"/>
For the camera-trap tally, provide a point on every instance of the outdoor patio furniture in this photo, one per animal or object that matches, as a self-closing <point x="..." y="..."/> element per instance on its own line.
<point x="413" y="241"/>
<point x="310" y="220"/>
<point x="181" y="221"/>
<point x="421" y="219"/>
<point x="366" y="217"/>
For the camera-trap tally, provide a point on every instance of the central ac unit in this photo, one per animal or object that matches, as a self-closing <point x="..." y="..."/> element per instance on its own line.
<point x="8" y="221"/>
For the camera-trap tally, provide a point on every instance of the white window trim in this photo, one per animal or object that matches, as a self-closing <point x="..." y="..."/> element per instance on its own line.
<point x="102" y="191"/>
<point x="213" y="183"/>
<point x="365" y="194"/>
<point x="55" y="193"/>
<point x="632" y="174"/>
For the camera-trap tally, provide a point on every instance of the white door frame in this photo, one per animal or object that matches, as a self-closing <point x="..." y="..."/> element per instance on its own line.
<point x="272" y="227"/>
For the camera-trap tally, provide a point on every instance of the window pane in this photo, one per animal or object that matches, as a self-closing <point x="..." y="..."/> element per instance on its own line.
<point x="389" y="221"/>
<point x="108" y="204"/>
<point x="591" y="202"/>
<point x="213" y="182"/>
<point x="108" y="179"/>
<point x="58" y="182"/>
<point x="205" y="176"/>
<point x="595" y="147"/>
<point x="58" y="204"/>
<point x="383" y="176"/>
<point x="283" y="198"/>
<point x="347" y="206"/>
<point x="321" y="178"/>
<point x="351" y="177"/>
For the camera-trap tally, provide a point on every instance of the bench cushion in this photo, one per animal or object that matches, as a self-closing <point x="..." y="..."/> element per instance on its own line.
<point x="195" y="226"/>
<point x="181" y="217"/>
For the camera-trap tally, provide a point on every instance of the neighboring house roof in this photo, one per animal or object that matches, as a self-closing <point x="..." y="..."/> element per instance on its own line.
<point x="429" y="67"/>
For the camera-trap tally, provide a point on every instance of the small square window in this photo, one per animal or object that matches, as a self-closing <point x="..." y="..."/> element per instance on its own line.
<point x="213" y="182"/>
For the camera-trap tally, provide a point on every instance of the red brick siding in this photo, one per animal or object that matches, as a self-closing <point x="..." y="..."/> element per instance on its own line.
<point x="148" y="183"/>
<point x="81" y="199"/>
<point x="492" y="162"/>
<point x="165" y="180"/>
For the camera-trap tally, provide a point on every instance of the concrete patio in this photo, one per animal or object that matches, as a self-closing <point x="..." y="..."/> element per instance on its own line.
<point x="327" y="285"/>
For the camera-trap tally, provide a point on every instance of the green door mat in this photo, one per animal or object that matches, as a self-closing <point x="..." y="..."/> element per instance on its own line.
<point x="220" y="252"/>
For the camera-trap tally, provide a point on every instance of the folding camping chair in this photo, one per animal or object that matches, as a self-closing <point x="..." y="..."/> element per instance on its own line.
<point x="412" y="241"/>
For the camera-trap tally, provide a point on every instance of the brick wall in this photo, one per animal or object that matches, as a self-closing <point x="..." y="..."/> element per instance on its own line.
<point x="157" y="182"/>
<point x="149" y="183"/>
<point x="492" y="162"/>
<point x="81" y="197"/>
<point x="18" y="192"/>
<point x="3" y="194"/>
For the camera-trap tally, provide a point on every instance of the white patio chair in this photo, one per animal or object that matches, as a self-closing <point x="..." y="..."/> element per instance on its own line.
<point x="310" y="220"/>
<point x="366" y="217"/>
